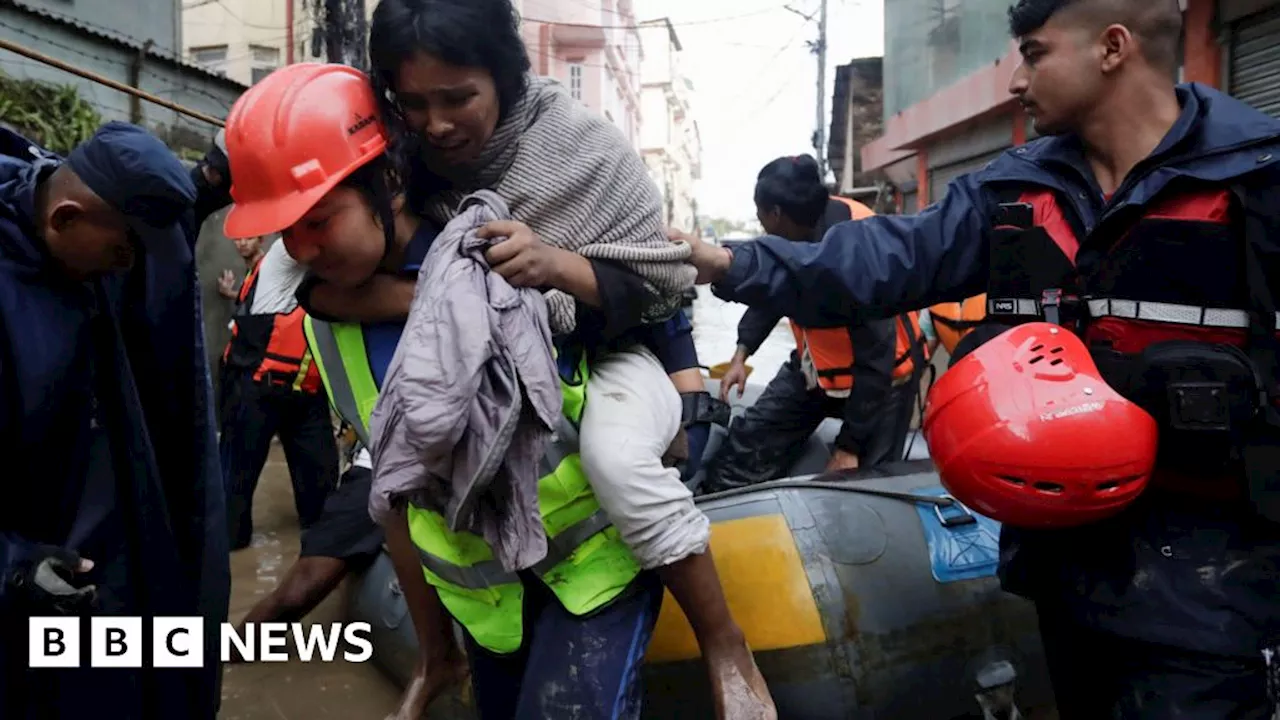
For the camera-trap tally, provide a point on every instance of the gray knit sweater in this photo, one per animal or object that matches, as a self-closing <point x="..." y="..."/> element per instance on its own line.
<point x="571" y="177"/>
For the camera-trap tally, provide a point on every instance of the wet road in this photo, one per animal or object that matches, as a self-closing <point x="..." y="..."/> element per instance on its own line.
<point x="292" y="690"/>
<point x="302" y="691"/>
<point x="715" y="331"/>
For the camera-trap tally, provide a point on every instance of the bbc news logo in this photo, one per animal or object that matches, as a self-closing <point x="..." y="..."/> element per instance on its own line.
<point x="178" y="642"/>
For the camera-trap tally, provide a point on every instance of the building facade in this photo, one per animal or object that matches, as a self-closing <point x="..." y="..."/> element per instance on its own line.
<point x="947" y="108"/>
<point x="247" y="39"/>
<point x="594" y="50"/>
<point x="857" y="118"/>
<point x="669" y="139"/>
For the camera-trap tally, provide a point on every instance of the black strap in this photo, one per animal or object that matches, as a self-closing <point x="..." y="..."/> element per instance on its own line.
<point x="915" y="346"/>
<point x="916" y="353"/>
<point x="700" y="407"/>
<point x="956" y="325"/>
<point x="1262" y="451"/>
<point x="833" y="373"/>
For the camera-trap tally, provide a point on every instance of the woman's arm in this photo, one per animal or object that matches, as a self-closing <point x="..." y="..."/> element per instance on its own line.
<point x="576" y="276"/>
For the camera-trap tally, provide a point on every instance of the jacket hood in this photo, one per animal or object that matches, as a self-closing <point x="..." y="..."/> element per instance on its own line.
<point x="1224" y="121"/>
<point x="18" y="181"/>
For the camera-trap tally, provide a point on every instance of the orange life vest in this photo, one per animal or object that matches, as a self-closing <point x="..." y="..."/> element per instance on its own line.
<point x="831" y="352"/>
<point x="273" y="345"/>
<point x="830" y="349"/>
<point x="857" y="211"/>
<point x="952" y="321"/>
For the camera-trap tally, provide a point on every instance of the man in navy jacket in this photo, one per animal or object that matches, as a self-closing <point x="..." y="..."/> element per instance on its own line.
<point x="113" y="491"/>
<point x="1147" y="217"/>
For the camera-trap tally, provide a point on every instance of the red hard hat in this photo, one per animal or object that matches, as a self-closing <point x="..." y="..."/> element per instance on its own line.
<point x="1024" y="430"/>
<point x="294" y="136"/>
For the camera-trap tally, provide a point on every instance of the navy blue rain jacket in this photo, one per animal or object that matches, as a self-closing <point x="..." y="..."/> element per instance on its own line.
<point x="884" y="265"/>
<point x="157" y="411"/>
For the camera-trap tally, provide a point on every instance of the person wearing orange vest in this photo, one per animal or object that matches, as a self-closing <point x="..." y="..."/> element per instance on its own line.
<point x="954" y="321"/>
<point x="271" y="386"/>
<point x="864" y="373"/>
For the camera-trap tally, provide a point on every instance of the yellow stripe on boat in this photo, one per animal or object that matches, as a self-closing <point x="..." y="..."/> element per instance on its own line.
<point x="765" y="585"/>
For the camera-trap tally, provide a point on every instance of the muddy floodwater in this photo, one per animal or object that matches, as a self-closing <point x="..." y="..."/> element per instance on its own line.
<point x="305" y="691"/>
<point x="291" y="690"/>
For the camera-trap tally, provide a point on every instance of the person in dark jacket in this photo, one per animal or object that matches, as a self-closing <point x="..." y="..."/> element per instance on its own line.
<point x="114" y="502"/>
<point x="764" y="441"/>
<point x="212" y="178"/>
<point x="1146" y="219"/>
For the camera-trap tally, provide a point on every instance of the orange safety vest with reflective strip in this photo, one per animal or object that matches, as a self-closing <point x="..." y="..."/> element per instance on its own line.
<point x="273" y="345"/>
<point x="953" y="320"/>
<point x="831" y="351"/>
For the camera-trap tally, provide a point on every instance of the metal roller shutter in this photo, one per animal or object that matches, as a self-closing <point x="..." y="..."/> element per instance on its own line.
<point x="1255" y="61"/>
<point x="940" y="176"/>
<point x="909" y="204"/>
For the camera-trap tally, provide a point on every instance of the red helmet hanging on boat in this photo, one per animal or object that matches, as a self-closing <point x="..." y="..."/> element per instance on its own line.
<point x="1024" y="430"/>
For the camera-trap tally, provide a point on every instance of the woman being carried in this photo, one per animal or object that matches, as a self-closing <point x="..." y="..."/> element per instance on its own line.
<point x="454" y="75"/>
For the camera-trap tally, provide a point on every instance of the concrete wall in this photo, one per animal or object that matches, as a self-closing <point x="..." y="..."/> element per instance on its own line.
<point x="155" y="20"/>
<point x="183" y="85"/>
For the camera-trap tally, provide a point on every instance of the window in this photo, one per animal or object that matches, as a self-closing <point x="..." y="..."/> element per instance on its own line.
<point x="265" y="60"/>
<point x="265" y="54"/>
<point x="211" y="57"/>
<point x="575" y="80"/>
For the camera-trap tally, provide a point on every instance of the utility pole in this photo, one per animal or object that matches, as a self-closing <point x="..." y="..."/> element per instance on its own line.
<point x="820" y="143"/>
<point x="360" y="43"/>
<point x="334" y="37"/>
<point x="819" y="48"/>
<point x="344" y="32"/>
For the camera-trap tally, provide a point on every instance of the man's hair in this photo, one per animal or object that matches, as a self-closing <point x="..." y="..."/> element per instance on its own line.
<point x="1156" y="23"/>
<point x="794" y="186"/>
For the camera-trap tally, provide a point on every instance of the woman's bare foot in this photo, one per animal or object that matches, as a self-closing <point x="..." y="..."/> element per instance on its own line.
<point x="428" y="681"/>
<point x="737" y="686"/>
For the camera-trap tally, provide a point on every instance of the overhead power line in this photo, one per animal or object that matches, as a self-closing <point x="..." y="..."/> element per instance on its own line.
<point x="687" y="23"/>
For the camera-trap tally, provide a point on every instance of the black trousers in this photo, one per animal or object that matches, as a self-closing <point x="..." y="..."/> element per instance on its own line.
<point x="768" y="437"/>
<point x="252" y="414"/>
<point x="1100" y="676"/>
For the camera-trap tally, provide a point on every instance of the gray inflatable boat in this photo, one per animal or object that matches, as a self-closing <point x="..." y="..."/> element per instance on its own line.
<point x="864" y="596"/>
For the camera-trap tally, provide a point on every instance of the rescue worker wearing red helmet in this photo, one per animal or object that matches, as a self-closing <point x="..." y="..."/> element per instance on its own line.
<point x="321" y="178"/>
<point x="1144" y="221"/>
<point x="311" y="142"/>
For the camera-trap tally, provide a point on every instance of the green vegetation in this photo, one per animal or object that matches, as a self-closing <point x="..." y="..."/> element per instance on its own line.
<point x="54" y="116"/>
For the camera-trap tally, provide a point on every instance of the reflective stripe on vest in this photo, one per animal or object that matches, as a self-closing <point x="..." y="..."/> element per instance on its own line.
<point x="1172" y="313"/>
<point x="489" y="573"/>
<point x="331" y="346"/>
<point x="587" y="564"/>
<point x="1013" y="306"/>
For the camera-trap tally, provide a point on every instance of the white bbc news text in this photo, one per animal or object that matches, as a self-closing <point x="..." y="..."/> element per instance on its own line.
<point x="178" y="642"/>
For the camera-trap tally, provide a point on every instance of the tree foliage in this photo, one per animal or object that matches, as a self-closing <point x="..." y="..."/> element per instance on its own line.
<point x="53" y="116"/>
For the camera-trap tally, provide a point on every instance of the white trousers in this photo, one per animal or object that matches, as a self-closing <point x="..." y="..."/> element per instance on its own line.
<point x="631" y="416"/>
